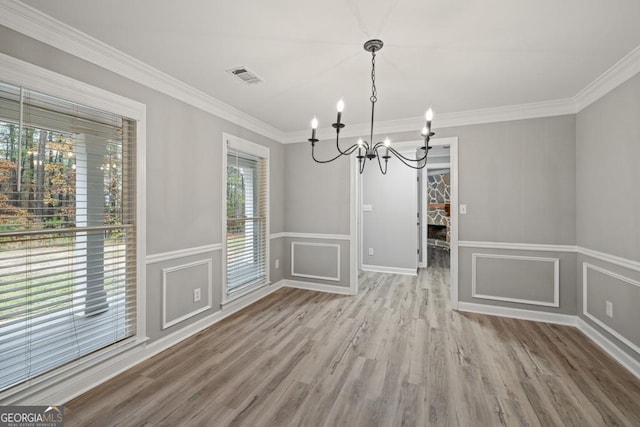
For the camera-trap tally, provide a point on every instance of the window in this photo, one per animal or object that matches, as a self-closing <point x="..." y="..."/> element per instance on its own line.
<point x="246" y="215"/>
<point x="67" y="232"/>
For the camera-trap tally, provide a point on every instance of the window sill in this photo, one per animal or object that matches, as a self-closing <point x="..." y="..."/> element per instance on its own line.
<point x="236" y="294"/>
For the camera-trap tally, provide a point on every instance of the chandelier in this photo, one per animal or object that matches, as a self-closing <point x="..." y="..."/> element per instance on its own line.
<point x="367" y="149"/>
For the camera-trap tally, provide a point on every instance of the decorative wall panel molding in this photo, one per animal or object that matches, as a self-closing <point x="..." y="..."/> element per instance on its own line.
<point x="556" y="279"/>
<point x="166" y="283"/>
<point x="312" y="275"/>
<point x="585" y="306"/>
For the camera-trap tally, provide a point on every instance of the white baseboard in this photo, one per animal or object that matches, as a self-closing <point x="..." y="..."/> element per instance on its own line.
<point x="612" y="349"/>
<point x="632" y="364"/>
<point x="390" y="270"/>
<point x="319" y="287"/>
<point x="85" y="380"/>
<point x="518" y="313"/>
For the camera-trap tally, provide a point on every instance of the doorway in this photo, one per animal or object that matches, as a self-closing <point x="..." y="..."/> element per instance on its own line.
<point x="444" y="155"/>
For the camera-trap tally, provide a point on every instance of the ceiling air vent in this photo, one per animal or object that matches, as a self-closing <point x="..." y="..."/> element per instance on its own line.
<point x="246" y="75"/>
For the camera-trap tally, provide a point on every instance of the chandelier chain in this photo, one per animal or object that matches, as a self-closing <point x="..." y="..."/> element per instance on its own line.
<point x="374" y="91"/>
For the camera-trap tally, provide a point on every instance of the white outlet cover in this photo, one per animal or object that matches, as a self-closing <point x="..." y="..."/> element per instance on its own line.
<point x="277" y="264"/>
<point x="609" y="308"/>
<point x="463" y="209"/>
<point x="370" y="251"/>
<point x="196" y="295"/>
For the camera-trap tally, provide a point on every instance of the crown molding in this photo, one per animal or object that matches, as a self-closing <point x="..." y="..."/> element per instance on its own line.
<point x="619" y="73"/>
<point x="35" y="24"/>
<point x="534" y="110"/>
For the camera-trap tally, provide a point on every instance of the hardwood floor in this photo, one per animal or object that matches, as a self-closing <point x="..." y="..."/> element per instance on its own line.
<point x="392" y="355"/>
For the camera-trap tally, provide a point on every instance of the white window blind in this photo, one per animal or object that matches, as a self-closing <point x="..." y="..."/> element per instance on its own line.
<point x="246" y="219"/>
<point x="67" y="232"/>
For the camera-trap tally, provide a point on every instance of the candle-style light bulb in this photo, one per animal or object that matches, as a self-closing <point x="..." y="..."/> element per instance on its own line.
<point x="424" y="131"/>
<point x="340" y="108"/>
<point x="360" y="142"/>
<point x="314" y="126"/>
<point x="387" y="143"/>
<point x="429" y="117"/>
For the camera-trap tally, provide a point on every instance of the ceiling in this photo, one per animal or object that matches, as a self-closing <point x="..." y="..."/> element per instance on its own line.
<point x="452" y="55"/>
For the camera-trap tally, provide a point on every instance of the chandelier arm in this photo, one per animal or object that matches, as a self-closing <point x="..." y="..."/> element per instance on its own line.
<point x="347" y="152"/>
<point x="344" y="153"/>
<point x="362" y="164"/>
<point x="386" y="164"/>
<point x="402" y="159"/>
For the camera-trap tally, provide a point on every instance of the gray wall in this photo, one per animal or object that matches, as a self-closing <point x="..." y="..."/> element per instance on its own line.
<point x="318" y="195"/>
<point x="608" y="210"/>
<point x="184" y="176"/>
<point x="318" y="201"/>
<point x="608" y="172"/>
<point x="390" y="228"/>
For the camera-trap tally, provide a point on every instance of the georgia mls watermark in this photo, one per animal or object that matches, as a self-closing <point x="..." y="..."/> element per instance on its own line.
<point x="31" y="416"/>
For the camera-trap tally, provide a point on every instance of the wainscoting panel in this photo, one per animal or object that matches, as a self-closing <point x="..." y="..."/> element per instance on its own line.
<point x="315" y="260"/>
<point x="178" y="286"/>
<point x="600" y="286"/>
<point x="522" y="279"/>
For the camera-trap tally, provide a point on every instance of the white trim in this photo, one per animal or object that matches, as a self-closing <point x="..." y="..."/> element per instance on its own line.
<point x="594" y="335"/>
<point x="390" y="270"/>
<point x="609" y="347"/>
<point x="455" y="223"/>
<point x="243" y="293"/>
<point x="240" y="144"/>
<point x="311" y="276"/>
<point x="354" y="212"/>
<point x="33" y="77"/>
<point x="33" y="23"/>
<point x="518" y="246"/>
<point x="556" y="279"/>
<point x="585" y="267"/>
<point x="318" y="236"/>
<point x="310" y="236"/>
<point x="619" y="73"/>
<point x="165" y="273"/>
<point x="182" y="253"/>
<point x="551" y="108"/>
<point x="518" y="313"/>
<point x="245" y="146"/>
<point x="612" y="259"/>
<point x="318" y="287"/>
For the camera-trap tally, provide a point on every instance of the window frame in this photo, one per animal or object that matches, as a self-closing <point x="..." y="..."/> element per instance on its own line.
<point x="36" y="78"/>
<point x="248" y="147"/>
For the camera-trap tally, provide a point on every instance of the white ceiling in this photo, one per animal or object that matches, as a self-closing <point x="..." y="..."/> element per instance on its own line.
<point x="452" y="55"/>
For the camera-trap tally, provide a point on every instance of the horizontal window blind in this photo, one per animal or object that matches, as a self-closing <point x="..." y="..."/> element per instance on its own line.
<point x="67" y="232"/>
<point x="246" y="220"/>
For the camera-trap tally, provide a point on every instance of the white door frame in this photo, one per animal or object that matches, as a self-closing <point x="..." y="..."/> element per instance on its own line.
<point x="356" y="208"/>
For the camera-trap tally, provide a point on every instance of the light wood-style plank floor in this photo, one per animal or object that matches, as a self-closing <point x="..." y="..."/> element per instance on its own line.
<point x="393" y="355"/>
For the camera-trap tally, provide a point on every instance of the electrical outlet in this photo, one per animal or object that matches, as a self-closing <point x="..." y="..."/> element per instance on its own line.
<point x="370" y="251"/>
<point x="463" y="209"/>
<point x="609" y="308"/>
<point x="196" y="295"/>
<point x="277" y="263"/>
